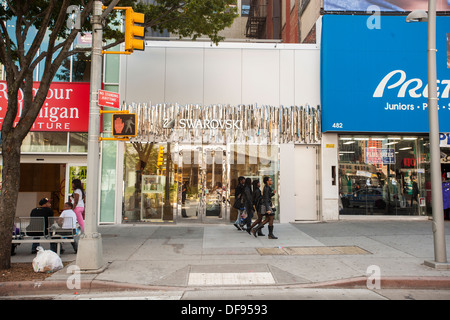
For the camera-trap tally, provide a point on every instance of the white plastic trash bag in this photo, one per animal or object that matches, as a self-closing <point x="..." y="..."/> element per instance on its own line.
<point x="46" y="261"/>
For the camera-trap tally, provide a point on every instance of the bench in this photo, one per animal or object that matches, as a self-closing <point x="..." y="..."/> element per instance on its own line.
<point x="32" y="230"/>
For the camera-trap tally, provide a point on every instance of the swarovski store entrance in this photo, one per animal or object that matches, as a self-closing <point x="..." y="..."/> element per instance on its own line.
<point x="201" y="180"/>
<point x="181" y="170"/>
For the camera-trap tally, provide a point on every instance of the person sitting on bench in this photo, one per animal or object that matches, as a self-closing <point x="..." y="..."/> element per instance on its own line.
<point x="67" y="221"/>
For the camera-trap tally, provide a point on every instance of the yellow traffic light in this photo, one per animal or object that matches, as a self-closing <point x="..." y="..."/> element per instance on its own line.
<point x="132" y="31"/>
<point x="160" y="160"/>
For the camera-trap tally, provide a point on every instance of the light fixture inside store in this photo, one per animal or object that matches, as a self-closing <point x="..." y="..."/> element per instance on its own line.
<point x="349" y="142"/>
<point x="390" y="143"/>
<point x="407" y="148"/>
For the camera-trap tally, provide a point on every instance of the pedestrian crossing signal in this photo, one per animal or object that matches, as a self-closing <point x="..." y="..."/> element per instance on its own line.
<point x="124" y="125"/>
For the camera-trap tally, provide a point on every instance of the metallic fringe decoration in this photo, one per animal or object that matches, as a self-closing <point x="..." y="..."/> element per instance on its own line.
<point x="257" y="124"/>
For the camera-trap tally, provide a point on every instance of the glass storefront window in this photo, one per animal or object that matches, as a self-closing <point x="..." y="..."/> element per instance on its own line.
<point x="192" y="182"/>
<point x="255" y="162"/>
<point x="384" y="175"/>
<point x="75" y="68"/>
<point x="78" y="142"/>
<point x="55" y="142"/>
<point x="45" y="142"/>
<point x="150" y="189"/>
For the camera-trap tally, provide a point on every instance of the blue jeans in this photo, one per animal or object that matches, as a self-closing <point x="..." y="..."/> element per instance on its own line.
<point x="238" y="219"/>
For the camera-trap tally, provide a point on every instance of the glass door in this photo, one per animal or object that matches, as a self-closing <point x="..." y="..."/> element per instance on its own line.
<point x="190" y="188"/>
<point x="214" y="179"/>
<point x="74" y="171"/>
<point x="202" y="177"/>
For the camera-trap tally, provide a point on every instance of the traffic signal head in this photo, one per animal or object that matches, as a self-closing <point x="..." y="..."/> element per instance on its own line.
<point x="132" y="31"/>
<point x="160" y="160"/>
<point x="124" y="124"/>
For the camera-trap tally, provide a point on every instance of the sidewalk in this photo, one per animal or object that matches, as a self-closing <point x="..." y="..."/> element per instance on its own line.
<point x="333" y="254"/>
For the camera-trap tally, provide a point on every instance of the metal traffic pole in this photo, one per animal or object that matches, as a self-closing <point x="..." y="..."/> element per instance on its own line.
<point x="440" y="254"/>
<point x="90" y="250"/>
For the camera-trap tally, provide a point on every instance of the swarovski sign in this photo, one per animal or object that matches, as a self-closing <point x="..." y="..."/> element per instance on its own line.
<point x="203" y="124"/>
<point x="222" y="124"/>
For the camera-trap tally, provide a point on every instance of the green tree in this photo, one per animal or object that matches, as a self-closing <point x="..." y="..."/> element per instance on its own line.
<point x="45" y="22"/>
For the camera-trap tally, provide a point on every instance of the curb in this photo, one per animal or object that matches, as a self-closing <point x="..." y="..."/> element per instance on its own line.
<point x="86" y="286"/>
<point x="52" y="286"/>
<point x="431" y="283"/>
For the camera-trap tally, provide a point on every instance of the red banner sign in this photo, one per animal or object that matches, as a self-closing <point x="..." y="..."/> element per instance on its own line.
<point x="66" y="108"/>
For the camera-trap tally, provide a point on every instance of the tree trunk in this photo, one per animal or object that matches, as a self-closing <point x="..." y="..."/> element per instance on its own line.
<point x="9" y="194"/>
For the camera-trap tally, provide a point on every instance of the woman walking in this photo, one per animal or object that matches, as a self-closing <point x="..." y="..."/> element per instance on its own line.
<point x="248" y="203"/>
<point x="257" y="202"/>
<point x="78" y="201"/>
<point x="267" y="210"/>
<point x="237" y="202"/>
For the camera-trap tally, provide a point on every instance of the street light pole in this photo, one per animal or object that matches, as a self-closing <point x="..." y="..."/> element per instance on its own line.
<point x="435" y="151"/>
<point x="90" y="251"/>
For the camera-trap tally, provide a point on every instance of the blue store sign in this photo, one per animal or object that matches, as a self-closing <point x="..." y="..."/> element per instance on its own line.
<point x="375" y="79"/>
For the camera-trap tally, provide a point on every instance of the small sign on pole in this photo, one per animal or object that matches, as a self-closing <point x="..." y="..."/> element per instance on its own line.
<point x="422" y="202"/>
<point x="108" y="99"/>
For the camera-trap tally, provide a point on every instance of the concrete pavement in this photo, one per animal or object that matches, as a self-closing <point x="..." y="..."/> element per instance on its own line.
<point x="345" y="254"/>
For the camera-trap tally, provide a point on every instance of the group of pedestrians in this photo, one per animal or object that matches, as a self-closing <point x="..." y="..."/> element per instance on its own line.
<point x="248" y="200"/>
<point x="73" y="209"/>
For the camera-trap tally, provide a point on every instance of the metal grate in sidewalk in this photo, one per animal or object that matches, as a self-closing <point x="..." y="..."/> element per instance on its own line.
<point x="334" y="250"/>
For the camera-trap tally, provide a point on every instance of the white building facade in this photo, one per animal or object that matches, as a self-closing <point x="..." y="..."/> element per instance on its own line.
<point x="208" y="114"/>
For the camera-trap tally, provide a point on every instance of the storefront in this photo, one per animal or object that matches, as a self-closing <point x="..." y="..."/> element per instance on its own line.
<point x="374" y="99"/>
<point x="55" y="150"/>
<point x="384" y="175"/>
<point x="184" y="164"/>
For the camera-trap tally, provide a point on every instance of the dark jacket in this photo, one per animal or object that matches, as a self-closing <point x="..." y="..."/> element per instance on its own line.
<point x="41" y="212"/>
<point x="257" y="199"/>
<point x="239" y="192"/>
<point x="248" y="200"/>
<point x="239" y="189"/>
<point x="267" y="198"/>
